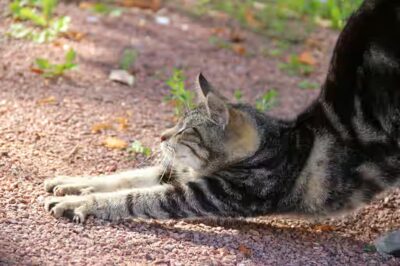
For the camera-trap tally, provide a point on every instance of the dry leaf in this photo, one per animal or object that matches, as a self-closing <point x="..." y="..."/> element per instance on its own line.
<point x="115" y="143"/>
<point x="98" y="127"/>
<point x="74" y="35"/>
<point x="239" y="49"/>
<point x="145" y="4"/>
<point x="307" y="58"/>
<point x="313" y="43"/>
<point x="235" y="36"/>
<point x="245" y="250"/>
<point x="36" y="70"/>
<point x="86" y="5"/>
<point x="324" y="228"/>
<point x="129" y="113"/>
<point x="123" y="123"/>
<point x="251" y="19"/>
<point x="47" y="101"/>
<point x="58" y="43"/>
<point x="325" y="23"/>
<point x="218" y="31"/>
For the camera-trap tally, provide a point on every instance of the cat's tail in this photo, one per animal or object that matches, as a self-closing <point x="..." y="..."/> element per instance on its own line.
<point x="365" y="69"/>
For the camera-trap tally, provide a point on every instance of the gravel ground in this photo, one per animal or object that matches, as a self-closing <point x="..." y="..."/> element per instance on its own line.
<point x="40" y="140"/>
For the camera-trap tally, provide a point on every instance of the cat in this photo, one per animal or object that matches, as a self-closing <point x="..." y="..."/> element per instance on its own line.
<point x="230" y="160"/>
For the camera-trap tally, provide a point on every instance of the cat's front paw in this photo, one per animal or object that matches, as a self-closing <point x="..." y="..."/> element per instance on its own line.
<point x="75" y="208"/>
<point x="61" y="186"/>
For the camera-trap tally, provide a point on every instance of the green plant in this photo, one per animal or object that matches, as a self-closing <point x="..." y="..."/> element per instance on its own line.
<point x="280" y="18"/>
<point x="50" y="70"/>
<point x="138" y="148"/>
<point x="219" y="42"/>
<point x="267" y="101"/>
<point x="238" y="94"/>
<point x="294" y="66"/>
<point x="128" y="58"/>
<point x="181" y="98"/>
<point x="40" y="13"/>
<point x="106" y="9"/>
<point x="306" y="84"/>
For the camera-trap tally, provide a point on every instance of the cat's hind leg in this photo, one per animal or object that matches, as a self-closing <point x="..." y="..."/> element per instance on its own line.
<point x="138" y="178"/>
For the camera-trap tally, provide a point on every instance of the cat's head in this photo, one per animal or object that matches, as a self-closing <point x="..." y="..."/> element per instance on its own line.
<point x="213" y="135"/>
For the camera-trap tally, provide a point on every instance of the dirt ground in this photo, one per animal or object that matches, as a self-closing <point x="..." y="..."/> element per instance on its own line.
<point x="40" y="139"/>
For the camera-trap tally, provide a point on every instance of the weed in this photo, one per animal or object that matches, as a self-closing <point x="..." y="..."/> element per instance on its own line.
<point x="40" y="13"/>
<point x="280" y="18"/>
<point x="138" y="148"/>
<point x="238" y="94"/>
<point x="50" y="70"/>
<point x="294" y="66"/>
<point x="181" y="98"/>
<point x="267" y="101"/>
<point x="308" y="85"/>
<point x="219" y="42"/>
<point x="106" y="9"/>
<point x="369" y="248"/>
<point x="128" y="59"/>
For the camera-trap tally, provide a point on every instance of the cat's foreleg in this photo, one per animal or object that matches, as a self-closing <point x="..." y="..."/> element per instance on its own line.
<point x="145" y="177"/>
<point x="159" y="202"/>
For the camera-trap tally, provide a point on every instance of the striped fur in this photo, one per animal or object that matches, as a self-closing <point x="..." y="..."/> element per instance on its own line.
<point x="230" y="160"/>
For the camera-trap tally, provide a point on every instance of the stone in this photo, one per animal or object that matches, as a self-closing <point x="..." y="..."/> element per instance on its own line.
<point x="122" y="76"/>
<point x="389" y="244"/>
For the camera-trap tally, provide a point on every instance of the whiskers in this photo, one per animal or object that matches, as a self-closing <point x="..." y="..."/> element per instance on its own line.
<point x="167" y="162"/>
<point x="149" y="160"/>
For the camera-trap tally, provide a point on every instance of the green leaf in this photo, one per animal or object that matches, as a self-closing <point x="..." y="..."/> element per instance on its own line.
<point x="15" y="8"/>
<point x="19" y="31"/>
<point x="129" y="57"/>
<point x="30" y="14"/>
<point x="137" y="147"/>
<point x="305" y="84"/>
<point x="61" y="24"/>
<point x="48" y="8"/>
<point x="238" y="94"/>
<point x="70" y="56"/>
<point x="43" y="64"/>
<point x="267" y="101"/>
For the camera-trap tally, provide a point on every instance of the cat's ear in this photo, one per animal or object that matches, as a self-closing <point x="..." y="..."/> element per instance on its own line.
<point x="214" y="102"/>
<point x="217" y="109"/>
<point x="203" y="87"/>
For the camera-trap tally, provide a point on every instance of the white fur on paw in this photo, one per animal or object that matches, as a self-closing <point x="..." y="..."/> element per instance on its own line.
<point x="75" y="208"/>
<point x="72" y="189"/>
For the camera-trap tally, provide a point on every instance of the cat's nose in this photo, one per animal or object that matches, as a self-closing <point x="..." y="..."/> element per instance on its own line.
<point x="163" y="138"/>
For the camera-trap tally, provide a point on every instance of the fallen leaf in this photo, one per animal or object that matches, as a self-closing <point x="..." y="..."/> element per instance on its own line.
<point x="239" y="49"/>
<point x="245" y="250"/>
<point x="307" y="58"/>
<point x="144" y="4"/>
<point x="115" y="143"/>
<point x="235" y="36"/>
<point x="47" y="101"/>
<point x="324" y="228"/>
<point x="98" y="127"/>
<point x="218" y="31"/>
<point x="251" y="19"/>
<point x="325" y="23"/>
<point x="313" y="43"/>
<point x="123" y="123"/>
<point x="36" y="70"/>
<point x="58" y="43"/>
<point x="74" y="35"/>
<point x="86" y="5"/>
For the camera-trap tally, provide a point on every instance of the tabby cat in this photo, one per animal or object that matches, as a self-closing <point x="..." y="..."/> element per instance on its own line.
<point x="230" y="160"/>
